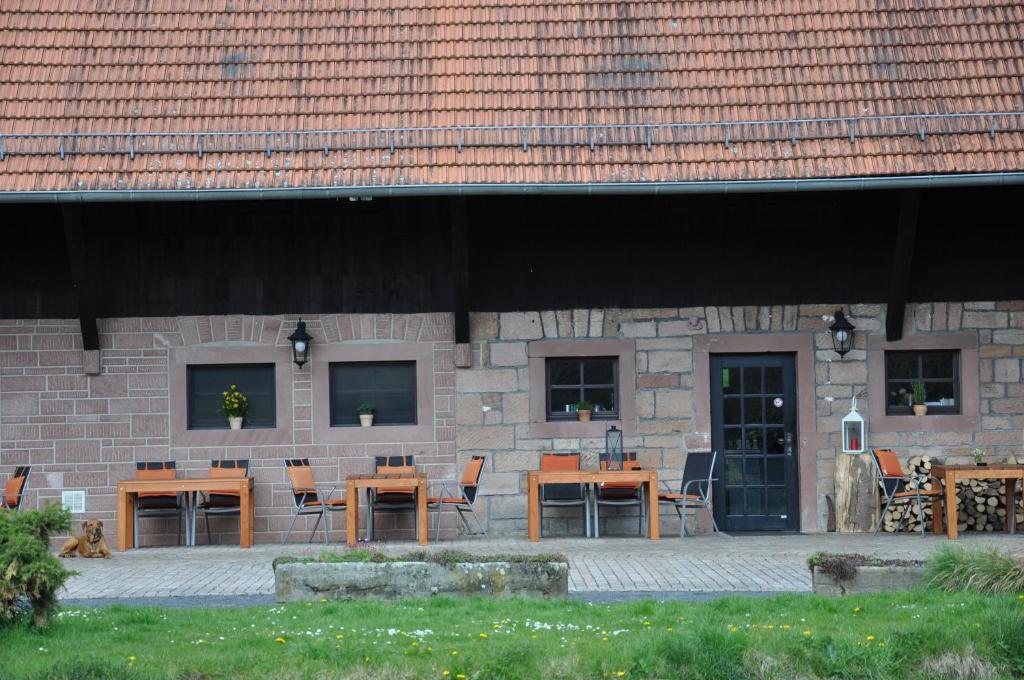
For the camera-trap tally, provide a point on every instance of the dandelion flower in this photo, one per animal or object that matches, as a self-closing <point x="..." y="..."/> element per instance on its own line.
<point x="856" y="610"/>
<point x="445" y="673"/>
<point x="280" y="640"/>
<point x="455" y="652"/>
<point x="604" y="639"/>
<point x="619" y="674"/>
<point x="807" y="633"/>
<point x="483" y="635"/>
<point x="870" y="638"/>
<point x="733" y="629"/>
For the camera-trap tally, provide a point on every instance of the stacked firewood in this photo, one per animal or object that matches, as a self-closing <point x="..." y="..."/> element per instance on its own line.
<point x="981" y="503"/>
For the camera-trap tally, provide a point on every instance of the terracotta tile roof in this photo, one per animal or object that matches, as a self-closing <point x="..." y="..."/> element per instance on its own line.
<point x="127" y="66"/>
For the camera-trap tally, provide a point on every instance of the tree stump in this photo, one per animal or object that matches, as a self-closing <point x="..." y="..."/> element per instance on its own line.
<point x="856" y="493"/>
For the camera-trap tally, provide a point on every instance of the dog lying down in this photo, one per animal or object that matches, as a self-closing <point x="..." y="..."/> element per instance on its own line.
<point x="90" y="544"/>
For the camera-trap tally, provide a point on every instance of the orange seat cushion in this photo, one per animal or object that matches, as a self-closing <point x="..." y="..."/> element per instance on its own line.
<point x="12" y="490"/>
<point x="164" y="474"/>
<point x="551" y="463"/>
<point x="402" y="470"/>
<point x="227" y="473"/>
<point x="333" y="502"/>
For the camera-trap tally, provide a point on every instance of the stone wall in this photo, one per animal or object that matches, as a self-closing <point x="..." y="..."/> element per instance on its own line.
<point x="84" y="431"/>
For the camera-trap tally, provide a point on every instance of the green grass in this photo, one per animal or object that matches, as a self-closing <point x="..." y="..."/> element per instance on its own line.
<point x="923" y="634"/>
<point x="954" y="568"/>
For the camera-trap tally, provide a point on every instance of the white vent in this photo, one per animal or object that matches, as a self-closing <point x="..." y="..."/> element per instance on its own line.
<point x="73" y="501"/>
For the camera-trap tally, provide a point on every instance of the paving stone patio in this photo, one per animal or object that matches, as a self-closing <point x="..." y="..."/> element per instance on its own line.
<point x="703" y="564"/>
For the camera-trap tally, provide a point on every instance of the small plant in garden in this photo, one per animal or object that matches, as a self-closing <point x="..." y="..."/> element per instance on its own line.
<point x="366" y="409"/>
<point x="918" y="393"/>
<point x="233" y="403"/>
<point x="30" y="575"/>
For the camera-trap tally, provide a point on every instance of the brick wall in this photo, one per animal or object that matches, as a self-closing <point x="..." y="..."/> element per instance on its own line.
<point x="87" y="431"/>
<point x="83" y="431"/>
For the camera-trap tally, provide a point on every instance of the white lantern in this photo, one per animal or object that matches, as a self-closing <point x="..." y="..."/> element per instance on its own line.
<point x="855" y="431"/>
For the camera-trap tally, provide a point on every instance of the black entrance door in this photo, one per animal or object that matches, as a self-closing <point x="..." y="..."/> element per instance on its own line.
<point x="753" y="428"/>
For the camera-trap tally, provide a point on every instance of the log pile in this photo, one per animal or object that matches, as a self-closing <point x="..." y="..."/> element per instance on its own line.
<point x="981" y="503"/>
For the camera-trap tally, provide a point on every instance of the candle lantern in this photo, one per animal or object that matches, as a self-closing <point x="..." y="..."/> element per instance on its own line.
<point x="855" y="431"/>
<point x="613" y="448"/>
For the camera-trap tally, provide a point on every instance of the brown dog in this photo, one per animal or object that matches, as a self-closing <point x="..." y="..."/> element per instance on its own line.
<point x="92" y="544"/>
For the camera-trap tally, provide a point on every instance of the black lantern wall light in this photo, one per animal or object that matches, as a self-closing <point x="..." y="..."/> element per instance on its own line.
<point x="842" y="333"/>
<point x="300" y="340"/>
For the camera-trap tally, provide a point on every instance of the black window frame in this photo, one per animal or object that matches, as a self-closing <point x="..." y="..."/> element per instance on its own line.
<point x="222" y="422"/>
<point x="370" y="395"/>
<point x="581" y="386"/>
<point x="898" y="410"/>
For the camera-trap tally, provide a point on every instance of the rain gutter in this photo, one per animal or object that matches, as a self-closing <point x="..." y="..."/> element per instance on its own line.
<point x="582" y="189"/>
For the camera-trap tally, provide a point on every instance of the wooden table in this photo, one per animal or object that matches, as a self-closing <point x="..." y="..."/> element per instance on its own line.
<point x="951" y="474"/>
<point x="383" y="482"/>
<point x="536" y="478"/>
<point x="128" y="490"/>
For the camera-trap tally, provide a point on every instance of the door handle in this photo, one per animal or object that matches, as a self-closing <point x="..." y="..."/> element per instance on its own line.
<point x="789" y="444"/>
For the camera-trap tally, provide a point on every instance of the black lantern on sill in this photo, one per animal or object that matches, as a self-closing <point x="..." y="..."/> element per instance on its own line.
<point x="300" y="340"/>
<point x="842" y="333"/>
<point x="613" y="448"/>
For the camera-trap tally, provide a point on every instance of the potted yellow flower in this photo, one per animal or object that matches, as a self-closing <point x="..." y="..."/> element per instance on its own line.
<point x="235" y="405"/>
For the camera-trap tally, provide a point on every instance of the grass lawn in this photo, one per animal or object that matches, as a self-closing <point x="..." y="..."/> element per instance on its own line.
<point x="923" y="634"/>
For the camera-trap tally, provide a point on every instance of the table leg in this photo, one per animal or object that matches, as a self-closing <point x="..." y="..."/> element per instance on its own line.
<point x="533" y="508"/>
<point x="1011" y="505"/>
<point x="937" y="516"/>
<point x="351" y="514"/>
<point x="190" y="517"/>
<point x="422" y="526"/>
<point x="125" y="538"/>
<point x="951" y="516"/>
<point x="246" y="515"/>
<point x="653" y="520"/>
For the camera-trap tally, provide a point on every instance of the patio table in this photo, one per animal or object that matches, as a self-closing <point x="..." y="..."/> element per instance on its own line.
<point x="951" y="474"/>
<point x="128" y="491"/>
<point x="383" y="482"/>
<point x="535" y="478"/>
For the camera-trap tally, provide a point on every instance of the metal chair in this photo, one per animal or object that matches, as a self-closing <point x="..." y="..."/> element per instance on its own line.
<point x="463" y="499"/>
<point x="620" y="494"/>
<point x="222" y="503"/>
<point x="694" y="489"/>
<point x="157" y="504"/>
<point x="14" y="489"/>
<point x="310" y="499"/>
<point x="899" y="488"/>
<point x="391" y="500"/>
<point x="563" y="495"/>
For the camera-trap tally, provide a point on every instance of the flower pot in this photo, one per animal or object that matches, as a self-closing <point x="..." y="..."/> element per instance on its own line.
<point x="920" y="409"/>
<point x="366" y="419"/>
<point x="235" y="422"/>
<point x="584" y="416"/>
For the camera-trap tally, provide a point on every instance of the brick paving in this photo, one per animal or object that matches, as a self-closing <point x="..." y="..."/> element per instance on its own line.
<point x="748" y="564"/>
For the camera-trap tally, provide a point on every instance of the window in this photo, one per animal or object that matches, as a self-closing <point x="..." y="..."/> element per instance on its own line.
<point x="206" y="386"/>
<point x="390" y="386"/>
<point x="593" y="379"/>
<point x="938" y="370"/>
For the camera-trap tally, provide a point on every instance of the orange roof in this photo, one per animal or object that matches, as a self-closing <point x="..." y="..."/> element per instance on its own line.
<point x="643" y="87"/>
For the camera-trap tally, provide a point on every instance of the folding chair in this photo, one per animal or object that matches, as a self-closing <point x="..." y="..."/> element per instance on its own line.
<point x="621" y="494"/>
<point x="898" y="488"/>
<point x="391" y="500"/>
<point x="309" y="498"/>
<point x="694" y="488"/>
<point x="221" y="502"/>
<point x="463" y="499"/>
<point x="14" y="489"/>
<point x="157" y="504"/>
<point x="563" y="495"/>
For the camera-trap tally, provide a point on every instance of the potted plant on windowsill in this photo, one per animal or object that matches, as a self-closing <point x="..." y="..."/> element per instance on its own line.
<point x="979" y="456"/>
<point x="235" y="405"/>
<point x="583" y="409"/>
<point x="366" y="412"/>
<point x="918" y="397"/>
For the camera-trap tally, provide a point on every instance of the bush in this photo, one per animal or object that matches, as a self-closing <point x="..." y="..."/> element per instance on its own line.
<point x="30" y="575"/>
<point x="953" y="568"/>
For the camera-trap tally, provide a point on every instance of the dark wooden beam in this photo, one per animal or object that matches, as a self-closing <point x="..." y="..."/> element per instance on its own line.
<point x="460" y="267"/>
<point x="902" y="261"/>
<point x="85" y="299"/>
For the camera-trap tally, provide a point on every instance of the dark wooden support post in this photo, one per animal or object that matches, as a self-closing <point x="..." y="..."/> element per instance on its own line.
<point x="460" y="280"/>
<point x="902" y="259"/>
<point x="74" y="239"/>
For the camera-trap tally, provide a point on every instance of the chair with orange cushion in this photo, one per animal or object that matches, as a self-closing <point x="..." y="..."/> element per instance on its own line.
<point x="694" y="488"/>
<point x="898" y="488"/>
<point x="309" y="498"/>
<point x="463" y="499"/>
<point x="14" y="489"/>
<point x="157" y="504"/>
<point x="391" y="500"/>
<point x="620" y="494"/>
<point x="563" y="495"/>
<point x="222" y="502"/>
